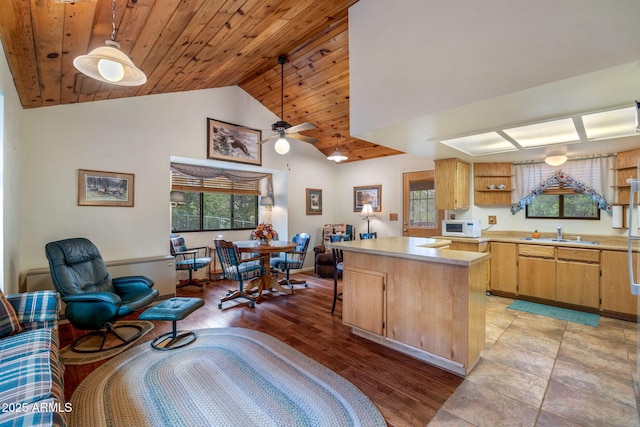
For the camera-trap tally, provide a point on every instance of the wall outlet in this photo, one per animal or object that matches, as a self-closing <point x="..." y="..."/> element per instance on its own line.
<point x="492" y="219"/>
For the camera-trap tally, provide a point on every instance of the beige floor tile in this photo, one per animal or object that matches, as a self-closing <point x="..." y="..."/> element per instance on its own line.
<point x="587" y="409"/>
<point x="608" y="385"/>
<point x="607" y="356"/>
<point x="481" y="406"/>
<point x="520" y="358"/>
<point x="545" y="326"/>
<point x="546" y="419"/>
<point x="492" y="334"/>
<point x="510" y="381"/>
<point x="531" y="341"/>
<point x="446" y="419"/>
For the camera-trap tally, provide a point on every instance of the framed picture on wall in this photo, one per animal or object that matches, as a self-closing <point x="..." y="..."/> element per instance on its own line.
<point x="234" y="143"/>
<point x="314" y="201"/>
<point x="98" y="188"/>
<point x="369" y="194"/>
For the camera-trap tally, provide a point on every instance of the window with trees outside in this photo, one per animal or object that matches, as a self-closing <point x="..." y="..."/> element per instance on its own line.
<point x="561" y="204"/>
<point x="213" y="204"/>
<point x="422" y="205"/>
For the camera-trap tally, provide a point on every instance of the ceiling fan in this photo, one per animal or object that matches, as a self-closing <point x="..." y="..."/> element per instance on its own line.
<point x="285" y="132"/>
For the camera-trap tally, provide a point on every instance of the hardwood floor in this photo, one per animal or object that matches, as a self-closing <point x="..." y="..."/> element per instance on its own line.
<point x="406" y="391"/>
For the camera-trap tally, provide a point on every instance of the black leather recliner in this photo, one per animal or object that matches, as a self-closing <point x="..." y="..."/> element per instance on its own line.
<point x="93" y="299"/>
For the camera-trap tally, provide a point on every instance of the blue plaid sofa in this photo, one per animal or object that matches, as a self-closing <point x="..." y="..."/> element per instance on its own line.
<point x="31" y="370"/>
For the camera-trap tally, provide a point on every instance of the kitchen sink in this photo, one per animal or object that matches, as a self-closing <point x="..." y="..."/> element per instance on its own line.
<point x="584" y="242"/>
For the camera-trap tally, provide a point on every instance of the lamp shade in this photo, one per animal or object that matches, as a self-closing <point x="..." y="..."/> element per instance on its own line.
<point x="367" y="210"/>
<point x="108" y="64"/>
<point x="337" y="156"/>
<point x="266" y="201"/>
<point x="555" y="160"/>
<point x="177" y="197"/>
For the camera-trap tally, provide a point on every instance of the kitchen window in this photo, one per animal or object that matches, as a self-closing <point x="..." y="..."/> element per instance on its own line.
<point x="209" y="211"/>
<point x="566" y="205"/>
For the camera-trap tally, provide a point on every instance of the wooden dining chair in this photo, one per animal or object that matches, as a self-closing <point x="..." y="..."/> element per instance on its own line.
<point x="367" y="236"/>
<point x="287" y="261"/>
<point x="239" y="270"/>
<point x="338" y="265"/>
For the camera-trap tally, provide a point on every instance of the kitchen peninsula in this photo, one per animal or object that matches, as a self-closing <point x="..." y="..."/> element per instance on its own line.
<point x="416" y="296"/>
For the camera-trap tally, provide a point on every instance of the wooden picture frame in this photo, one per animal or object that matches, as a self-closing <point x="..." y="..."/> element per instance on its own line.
<point x="367" y="194"/>
<point x="314" y="201"/>
<point x="100" y="188"/>
<point x="233" y="143"/>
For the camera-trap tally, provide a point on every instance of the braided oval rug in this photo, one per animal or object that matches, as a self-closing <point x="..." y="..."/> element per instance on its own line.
<point x="227" y="377"/>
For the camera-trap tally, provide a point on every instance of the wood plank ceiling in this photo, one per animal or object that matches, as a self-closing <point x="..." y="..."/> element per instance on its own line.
<point x="184" y="45"/>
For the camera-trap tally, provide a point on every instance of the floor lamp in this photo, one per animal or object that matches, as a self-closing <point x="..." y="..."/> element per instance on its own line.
<point x="367" y="213"/>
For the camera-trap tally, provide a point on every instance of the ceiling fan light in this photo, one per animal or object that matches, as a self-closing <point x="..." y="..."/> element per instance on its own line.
<point x="337" y="156"/>
<point x="555" y="160"/>
<point x="108" y="64"/>
<point x="282" y="145"/>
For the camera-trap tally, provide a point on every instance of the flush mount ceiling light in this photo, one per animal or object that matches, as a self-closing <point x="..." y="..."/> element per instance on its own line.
<point x="611" y="124"/>
<point x="555" y="159"/>
<point x="484" y="143"/>
<point x="561" y="131"/>
<point x="108" y="64"/>
<point x="337" y="155"/>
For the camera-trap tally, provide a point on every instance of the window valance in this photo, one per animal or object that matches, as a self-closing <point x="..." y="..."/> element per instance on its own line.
<point x="555" y="180"/>
<point x="227" y="180"/>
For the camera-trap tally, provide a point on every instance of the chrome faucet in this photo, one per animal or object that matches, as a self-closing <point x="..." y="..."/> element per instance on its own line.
<point x="559" y="232"/>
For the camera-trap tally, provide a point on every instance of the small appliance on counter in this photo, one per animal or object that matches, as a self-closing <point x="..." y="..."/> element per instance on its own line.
<point x="461" y="228"/>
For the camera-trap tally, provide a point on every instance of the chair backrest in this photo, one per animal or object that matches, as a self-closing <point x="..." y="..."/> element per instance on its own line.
<point x="367" y="236"/>
<point x="302" y="245"/>
<point x="340" y="238"/>
<point x="229" y="255"/>
<point x="177" y="244"/>
<point x="77" y="267"/>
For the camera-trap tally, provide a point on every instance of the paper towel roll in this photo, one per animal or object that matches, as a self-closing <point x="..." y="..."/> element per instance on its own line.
<point x="616" y="220"/>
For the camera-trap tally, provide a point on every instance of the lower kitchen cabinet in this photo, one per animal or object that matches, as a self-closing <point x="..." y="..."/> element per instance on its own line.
<point x="537" y="271"/>
<point x="616" y="289"/>
<point x="363" y="299"/>
<point x="578" y="277"/>
<point x="504" y="267"/>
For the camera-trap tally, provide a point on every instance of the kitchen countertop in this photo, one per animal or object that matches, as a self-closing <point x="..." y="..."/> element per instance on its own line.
<point x="417" y="248"/>
<point x="615" y="243"/>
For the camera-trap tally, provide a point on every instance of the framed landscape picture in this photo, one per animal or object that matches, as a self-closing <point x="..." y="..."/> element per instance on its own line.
<point x="369" y="194"/>
<point x="314" y="201"/>
<point x="226" y="141"/>
<point x="98" y="188"/>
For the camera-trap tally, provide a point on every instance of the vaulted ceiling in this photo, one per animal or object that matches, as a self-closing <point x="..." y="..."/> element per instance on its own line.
<point x="184" y="45"/>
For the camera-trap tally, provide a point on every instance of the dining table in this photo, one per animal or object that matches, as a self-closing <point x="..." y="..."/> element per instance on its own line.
<point x="266" y="248"/>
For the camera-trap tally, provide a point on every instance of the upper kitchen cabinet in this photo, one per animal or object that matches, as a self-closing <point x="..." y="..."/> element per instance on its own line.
<point x="452" y="182"/>
<point x="627" y="167"/>
<point x="492" y="183"/>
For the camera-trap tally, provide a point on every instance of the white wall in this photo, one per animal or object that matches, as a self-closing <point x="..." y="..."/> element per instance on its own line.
<point x="11" y="194"/>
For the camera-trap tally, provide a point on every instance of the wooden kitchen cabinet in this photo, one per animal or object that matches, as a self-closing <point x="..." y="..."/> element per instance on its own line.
<point x="616" y="289"/>
<point x="578" y="276"/>
<point x="452" y="182"/>
<point x="537" y="271"/>
<point x="474" y="247"/>
<point x="504" y="267"/>
<point x="363" y="299"/>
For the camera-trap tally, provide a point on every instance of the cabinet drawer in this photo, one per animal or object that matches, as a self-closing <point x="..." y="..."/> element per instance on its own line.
<point x="576" y="254"/>
<point x="537" y="251"/>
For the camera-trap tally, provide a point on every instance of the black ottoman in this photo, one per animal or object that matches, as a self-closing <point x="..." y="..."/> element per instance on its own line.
<point x="173" y="309"/>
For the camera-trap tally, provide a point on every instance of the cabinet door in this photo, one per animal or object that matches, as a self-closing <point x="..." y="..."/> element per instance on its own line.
<point x="616" y="291"/>
<point x="578" y="283"/>
<point x="452" y="183"/>
<point x="363" y="299"/>
<point x="537" y="277"/>
<point x="504" y="268"/>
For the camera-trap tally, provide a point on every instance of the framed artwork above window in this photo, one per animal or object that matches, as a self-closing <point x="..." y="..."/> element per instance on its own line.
<point x="234" y="143"/>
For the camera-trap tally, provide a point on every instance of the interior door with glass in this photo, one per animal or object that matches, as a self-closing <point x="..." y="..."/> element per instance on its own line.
<point x="420" y="216"/>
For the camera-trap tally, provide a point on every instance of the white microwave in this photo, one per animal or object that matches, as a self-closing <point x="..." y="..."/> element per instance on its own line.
<point x="461" y="227"/>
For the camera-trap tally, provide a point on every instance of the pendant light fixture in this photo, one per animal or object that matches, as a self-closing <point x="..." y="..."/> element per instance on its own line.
<point x="108" y="64"/>
<point x="337" y="155"/>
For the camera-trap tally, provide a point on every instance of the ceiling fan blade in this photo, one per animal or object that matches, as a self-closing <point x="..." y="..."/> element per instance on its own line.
<point x="301" y="127"/>
<point x="304" y="138"/>
<point x="271" y="138"/>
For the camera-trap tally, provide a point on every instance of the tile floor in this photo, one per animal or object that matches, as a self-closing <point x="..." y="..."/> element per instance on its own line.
<point x="539" y="371"/>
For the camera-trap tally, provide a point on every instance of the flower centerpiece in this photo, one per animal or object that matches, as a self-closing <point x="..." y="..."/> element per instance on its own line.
<point x="264" y="232"/>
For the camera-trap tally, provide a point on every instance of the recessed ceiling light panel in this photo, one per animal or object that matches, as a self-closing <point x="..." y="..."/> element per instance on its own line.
<point x="611" y="124"/>
<point x="478" y="145"/>
<point x="542" y="134"/>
